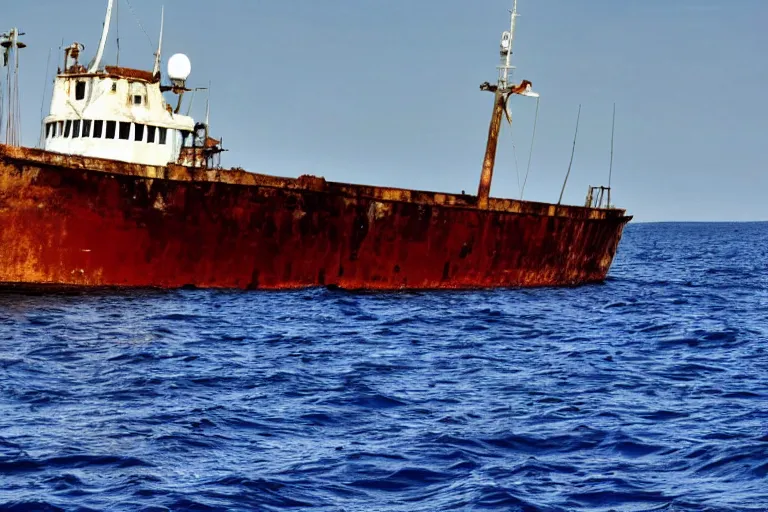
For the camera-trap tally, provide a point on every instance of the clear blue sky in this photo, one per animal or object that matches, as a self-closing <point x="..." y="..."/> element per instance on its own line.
<point x="386" y="92"/>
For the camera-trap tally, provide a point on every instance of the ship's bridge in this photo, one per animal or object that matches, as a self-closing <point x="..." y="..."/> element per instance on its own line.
<point x="114" y="113"/>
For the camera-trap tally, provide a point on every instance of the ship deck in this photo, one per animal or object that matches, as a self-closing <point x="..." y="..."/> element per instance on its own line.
<point x="240" y="177"/>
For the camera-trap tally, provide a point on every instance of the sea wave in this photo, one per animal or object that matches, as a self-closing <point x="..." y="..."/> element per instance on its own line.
<point x="648" y="392"/>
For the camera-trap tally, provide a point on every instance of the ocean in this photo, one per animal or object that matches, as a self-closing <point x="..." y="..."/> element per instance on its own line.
<point x="648" y="392"/>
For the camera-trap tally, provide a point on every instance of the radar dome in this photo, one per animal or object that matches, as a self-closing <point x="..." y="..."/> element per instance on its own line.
<point x="179" y="67"/>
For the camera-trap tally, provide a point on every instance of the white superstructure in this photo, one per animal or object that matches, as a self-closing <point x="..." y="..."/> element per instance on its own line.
<point x="115" y="113"/>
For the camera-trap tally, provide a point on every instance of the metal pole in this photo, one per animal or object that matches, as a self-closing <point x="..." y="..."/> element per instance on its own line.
<point x="610" y="169"/>
<point x="512" y="33"/>
<point x="158" y="55"/>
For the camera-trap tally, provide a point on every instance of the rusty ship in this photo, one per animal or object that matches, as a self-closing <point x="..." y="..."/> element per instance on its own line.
<point x="125" y="191"/>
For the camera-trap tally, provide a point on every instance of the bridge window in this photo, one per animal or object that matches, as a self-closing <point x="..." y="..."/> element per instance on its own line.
<point x="98" y="127"/>
<point x="151" y="134"/>
<point x="48" y="130"/>
<point x="138" y="132"/>
<point x="76" y="129"/>
<point x="125" y="130"/>
<point x="163" y="135"/>
<point x="111" y="129"/>
<point x="80" y="91"/>
<point x="67" y="129"/>
<point x="87" y="128"/>
<point x="61" y="128"/>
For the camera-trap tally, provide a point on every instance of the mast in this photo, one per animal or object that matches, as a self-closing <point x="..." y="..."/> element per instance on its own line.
<point x="102" y="43"/>
<point x="484" y="189"/>
<point x="502" y="91"/>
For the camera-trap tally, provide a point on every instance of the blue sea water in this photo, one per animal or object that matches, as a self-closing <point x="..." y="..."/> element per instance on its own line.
<point x="648" y="392"/>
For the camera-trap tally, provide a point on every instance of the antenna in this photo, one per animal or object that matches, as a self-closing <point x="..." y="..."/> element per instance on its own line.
<point x="610" y="169"/>
<point x="507" y="41"/>
<point x="191" y="102"/>
<point x="103" y="41"/>
<point x="117" y="32"/>
<point x="208" y="107"/>
<point x="158" y="55"/>
<point x="573" y="152"/>
<point x="512" y="24"/>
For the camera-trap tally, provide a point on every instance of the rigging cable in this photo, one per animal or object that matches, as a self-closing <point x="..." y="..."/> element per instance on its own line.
<point x="530" y="154"/>
<point x="573" y="152"/>
<point x="514" y="152"/>
<point x="508" y="115"/>
<point x="138" y="22"/>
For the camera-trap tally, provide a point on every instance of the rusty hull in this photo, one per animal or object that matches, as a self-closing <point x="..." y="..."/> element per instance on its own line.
<point x="76" y="221"/>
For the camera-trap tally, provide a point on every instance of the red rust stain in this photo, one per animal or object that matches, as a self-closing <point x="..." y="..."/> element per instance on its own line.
<point x="130" y="73"/>
<point x="86" y="222"/>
